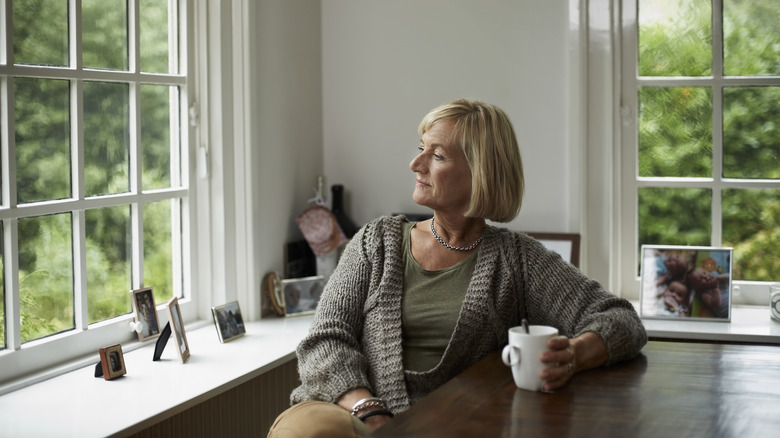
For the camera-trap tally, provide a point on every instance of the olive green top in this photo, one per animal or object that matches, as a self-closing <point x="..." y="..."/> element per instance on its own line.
<point x="430" y="306"/>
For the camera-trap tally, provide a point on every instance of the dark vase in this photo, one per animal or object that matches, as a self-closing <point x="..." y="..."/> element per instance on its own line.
<point x="346" y="224"/>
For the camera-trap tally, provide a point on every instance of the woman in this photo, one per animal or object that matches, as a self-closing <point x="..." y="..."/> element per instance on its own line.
<point x="411" y="305"/>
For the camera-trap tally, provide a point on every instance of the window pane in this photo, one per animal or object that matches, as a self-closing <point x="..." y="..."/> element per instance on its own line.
<point x="751" y="225"/>
<point x="675" y="132"/>
<point x="751" y="132"/>
<point x="154" y="36"/>
<point x="674" y="216"/>
<point x="109" y="250"/>
<point x="158" y="260"/>
<point x="41" y="32"/>
<point x="106" y="138"/>
<point x="104" y="35"/>
<point x="675" y="38"/>
<point x="751" y="37"/>
<point x="42" y="139"/>
<point x="45" y="275"/>
<point x="156" y="135"/>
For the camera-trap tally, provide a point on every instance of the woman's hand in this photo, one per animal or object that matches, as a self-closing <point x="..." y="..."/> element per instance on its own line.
<point x="568" y="356"/>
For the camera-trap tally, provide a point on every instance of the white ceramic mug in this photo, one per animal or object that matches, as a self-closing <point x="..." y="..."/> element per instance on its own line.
<point x="524" y="352"/>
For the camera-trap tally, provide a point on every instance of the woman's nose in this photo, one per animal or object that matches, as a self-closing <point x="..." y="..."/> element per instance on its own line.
<point x="415" y="165"/>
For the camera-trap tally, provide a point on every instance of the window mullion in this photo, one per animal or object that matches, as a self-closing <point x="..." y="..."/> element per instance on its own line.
<point x="13" y="314"/>
<point x="717" y="123"/>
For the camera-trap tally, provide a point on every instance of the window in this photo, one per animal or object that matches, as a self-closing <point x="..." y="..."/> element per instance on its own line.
<point x="94" y="163"/>
<point x="700" y="141"/>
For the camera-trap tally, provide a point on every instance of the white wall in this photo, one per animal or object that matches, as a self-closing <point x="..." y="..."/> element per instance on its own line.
<point x="339" y="86"/>
<point x="386" y="63"/>
<point x="285" y="117"/>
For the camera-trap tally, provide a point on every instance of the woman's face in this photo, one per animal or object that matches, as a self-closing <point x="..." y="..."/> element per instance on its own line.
<point x="443" y="176"/>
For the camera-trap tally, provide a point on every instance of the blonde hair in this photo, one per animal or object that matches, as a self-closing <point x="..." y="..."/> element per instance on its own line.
<point x="488" y="141"/>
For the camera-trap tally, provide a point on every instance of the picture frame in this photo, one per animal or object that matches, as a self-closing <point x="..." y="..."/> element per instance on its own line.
<point x="302" y="295"/>
<point x="686" y="283"/>
<point x="228" y="321"/>
<point x="146" y="313"/>
<point x="565" y="244"/>
<point x="177" y="329"/>
<point x="112" y="362"/>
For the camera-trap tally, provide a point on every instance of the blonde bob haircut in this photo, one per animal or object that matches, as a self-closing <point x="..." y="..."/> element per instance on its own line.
<point x="488" y="141"/>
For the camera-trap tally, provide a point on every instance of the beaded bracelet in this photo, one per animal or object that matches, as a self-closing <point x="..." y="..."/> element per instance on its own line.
<point x="366" y="403"/>
<point x="370" y="414"/>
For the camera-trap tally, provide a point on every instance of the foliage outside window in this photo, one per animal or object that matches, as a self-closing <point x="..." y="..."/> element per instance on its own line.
<point x="707" y="137"/>
<point x="92" y="181"/>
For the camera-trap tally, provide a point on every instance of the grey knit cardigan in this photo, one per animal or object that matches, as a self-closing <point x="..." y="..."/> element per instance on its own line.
<point x="355" y="337"/>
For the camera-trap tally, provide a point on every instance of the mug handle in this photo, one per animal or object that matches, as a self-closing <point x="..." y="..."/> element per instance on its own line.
<point x="506" y="355"/>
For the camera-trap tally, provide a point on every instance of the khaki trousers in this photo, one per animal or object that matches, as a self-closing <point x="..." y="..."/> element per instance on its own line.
<point x="318" y="419"/>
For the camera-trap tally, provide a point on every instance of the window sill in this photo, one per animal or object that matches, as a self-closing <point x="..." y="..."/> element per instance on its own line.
<point x="78" y="404"/>
<point x="749" y="324"/>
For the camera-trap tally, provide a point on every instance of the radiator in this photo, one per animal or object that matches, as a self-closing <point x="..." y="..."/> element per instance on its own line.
<point x="247" y="410"/>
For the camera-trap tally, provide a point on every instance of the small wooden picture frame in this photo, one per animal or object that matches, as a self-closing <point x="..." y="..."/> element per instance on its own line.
<point x="228" y="321"/>
<point x="112" y="362"/>
<point x="177" y="329"/>
<point x="146" y="313"/>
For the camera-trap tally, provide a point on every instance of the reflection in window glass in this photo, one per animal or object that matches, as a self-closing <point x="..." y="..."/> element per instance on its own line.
<point x="45" y="275"/>
<point x="156" y="136"/>
<point x="751" y="225"/>
<point x="43" y="170"/>
<point x="675" y="38"/>
<point x="751" y="132"/>
<point x="154" y="50"/>
<point x="99" y="19"/>
<point x="158" y="256"/>
<point x="40" y="33"/>
<point x="109" y="251"/>
<point x="675" y="132"/>
<point x="751" y="37"/>
<point x="106" y="138"/>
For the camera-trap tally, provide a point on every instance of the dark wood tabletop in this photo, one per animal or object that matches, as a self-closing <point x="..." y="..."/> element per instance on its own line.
<point x="669" y="390"/>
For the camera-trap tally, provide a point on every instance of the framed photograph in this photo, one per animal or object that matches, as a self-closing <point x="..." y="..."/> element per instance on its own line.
<point x="146" y="313"/>
<point x="688" y="282"/>
<point x="228" y="321"/>
<point x="177" y="329"/>
<point x="565" y="244"/>
<point x="301" y="295"/>
<point x="113" y="362"/>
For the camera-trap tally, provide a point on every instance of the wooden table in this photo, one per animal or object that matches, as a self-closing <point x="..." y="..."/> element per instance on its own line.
<point x="670" y="390"/>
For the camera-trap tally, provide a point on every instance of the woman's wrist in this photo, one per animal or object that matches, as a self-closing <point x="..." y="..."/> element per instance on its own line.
<point x="368" y="403"/>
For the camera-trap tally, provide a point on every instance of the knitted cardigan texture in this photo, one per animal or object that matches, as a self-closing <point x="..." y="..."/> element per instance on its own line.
<point x="355" y="340"/>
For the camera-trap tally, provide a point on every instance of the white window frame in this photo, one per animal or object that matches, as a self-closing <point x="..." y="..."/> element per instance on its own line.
<point x="625" y="119"/>
<point x="34" y="361"/>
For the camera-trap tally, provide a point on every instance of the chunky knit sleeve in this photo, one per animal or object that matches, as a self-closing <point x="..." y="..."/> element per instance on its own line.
<point x="558" y="294"/>
<point x="330" y="361"/>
